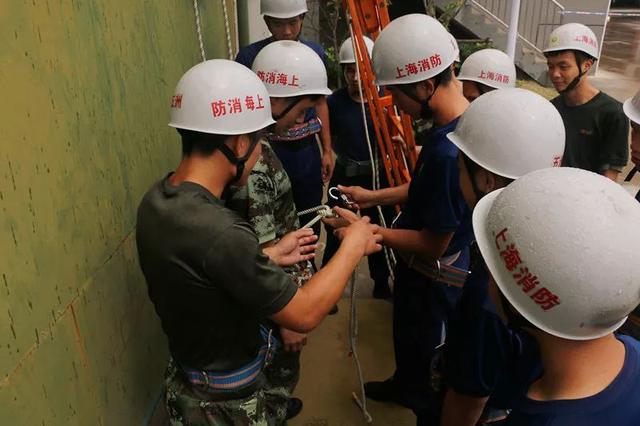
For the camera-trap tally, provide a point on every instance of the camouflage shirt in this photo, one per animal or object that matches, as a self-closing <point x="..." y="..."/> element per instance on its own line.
<point x="267" y="203"/>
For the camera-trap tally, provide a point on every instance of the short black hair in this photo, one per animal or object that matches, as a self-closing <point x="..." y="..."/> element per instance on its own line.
<point x="445" y="76"/>
<point x="581" y="56"/>
<point x="483" y="88"/>
<point x="199" y="142"/>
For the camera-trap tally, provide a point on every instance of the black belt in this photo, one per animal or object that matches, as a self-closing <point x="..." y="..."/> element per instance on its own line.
<point x="353" y="168"/>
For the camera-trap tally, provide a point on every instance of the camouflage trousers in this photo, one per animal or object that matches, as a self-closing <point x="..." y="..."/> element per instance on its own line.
<point x="267" y="406"/>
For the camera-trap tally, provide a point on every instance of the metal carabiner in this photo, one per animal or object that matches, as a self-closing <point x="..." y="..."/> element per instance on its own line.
<point x="342" y="198"/>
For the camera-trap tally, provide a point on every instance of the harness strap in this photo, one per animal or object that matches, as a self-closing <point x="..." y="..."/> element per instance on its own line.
<point x="309" y="128"/>
<point x="439" y="271"/>
<point x="243" y="376"/>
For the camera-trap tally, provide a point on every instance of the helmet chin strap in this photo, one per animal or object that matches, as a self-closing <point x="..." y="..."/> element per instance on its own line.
<point x="574" y="83"/>
<point x="289" y="107"/>
<point x="239" y="162"/>
<point x="425" y="110"/>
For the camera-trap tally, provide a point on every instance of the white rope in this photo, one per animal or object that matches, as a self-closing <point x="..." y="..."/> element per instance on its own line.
<point x="321" y="212"/>
<point x="226" y="29"/>
<point x="353" y="341"/>
<point x="375" y="177"/>
<point x="196" y="9"/>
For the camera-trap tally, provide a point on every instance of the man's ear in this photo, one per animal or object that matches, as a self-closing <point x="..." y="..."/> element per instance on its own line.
<point x="586" y="65"/>
<point x="238" y="144"/>
<point x="486" y="181"/>
<point x="424" y="89"/>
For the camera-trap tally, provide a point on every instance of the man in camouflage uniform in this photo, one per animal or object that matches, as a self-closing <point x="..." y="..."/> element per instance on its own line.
<point x="267" y="203"/>
<point x="186" y="406"/>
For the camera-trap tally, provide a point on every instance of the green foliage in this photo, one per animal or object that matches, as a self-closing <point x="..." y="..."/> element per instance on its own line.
<point x="467" y="47"/>
<point x="450" y="11"/>
<point x="334" y="70"/>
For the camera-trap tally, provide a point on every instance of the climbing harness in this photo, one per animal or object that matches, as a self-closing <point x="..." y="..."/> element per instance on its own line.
<point x="242" y="376"/>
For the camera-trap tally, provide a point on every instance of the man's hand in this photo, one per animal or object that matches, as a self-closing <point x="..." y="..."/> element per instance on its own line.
<point x="328" y="163"/>
<point x="363" y="198"/>
<point x="294" y="247"/>
<point x="345" y="218"/>
<point x="346" y="214"/>
<point x="398" y="140"/>
<point x="362" y="234"/>
<point x="335" y="223"/>
<point x="293" y="342"/>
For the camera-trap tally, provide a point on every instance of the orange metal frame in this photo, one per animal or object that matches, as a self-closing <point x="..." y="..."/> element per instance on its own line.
<point x="370" y="17"/>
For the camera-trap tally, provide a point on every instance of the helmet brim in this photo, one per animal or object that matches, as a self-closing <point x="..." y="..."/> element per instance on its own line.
<point x="631" y="111"/>
<point x="323" y="92"/>
<point x="285" y="15"/>
<point x="462" y="146"/>
<point x="561" y="48"/>
<point x="220" y="131"/>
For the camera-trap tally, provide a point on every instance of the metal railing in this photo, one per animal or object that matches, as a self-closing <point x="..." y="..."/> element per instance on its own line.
<point x="537" y="18"/>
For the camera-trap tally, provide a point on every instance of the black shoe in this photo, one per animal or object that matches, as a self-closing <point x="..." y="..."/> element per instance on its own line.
<point x="381" y="290"/>
<point x="384" y="392"/>
<point x="294" y="406"/>
<point x="334" y="310"/>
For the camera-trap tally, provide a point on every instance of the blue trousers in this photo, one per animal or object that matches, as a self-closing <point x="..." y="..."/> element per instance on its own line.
<point x="421" y="309"/>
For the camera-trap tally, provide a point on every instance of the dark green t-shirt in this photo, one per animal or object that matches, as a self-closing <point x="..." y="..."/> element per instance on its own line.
<point x="207" y="276"/>
<point x="597" y="134"/>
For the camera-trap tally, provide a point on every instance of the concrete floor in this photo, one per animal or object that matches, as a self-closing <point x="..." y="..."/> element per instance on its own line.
<point x="328" y="372"/>
<point x="329" y="375"/>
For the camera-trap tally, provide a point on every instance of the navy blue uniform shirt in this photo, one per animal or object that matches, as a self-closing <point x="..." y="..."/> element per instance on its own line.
<point x="349" y="137"/>
<point x="435" y="200"/>
<point x="483" y="356"/>
<point x="618" y="404"/>
<point x="248" y="54"/>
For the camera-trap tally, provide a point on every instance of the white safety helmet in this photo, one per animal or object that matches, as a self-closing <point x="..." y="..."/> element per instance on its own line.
<point x="412" y="48"/>
<point x="220" y="97"/>
<point x="560" y="245"/>
<point x="289" y="68"/>
<point x="283" y="9"/>
<point x="346" y="55"/>
<point x="573" y="36"/>
<point x="511" y="132"/>
<point x="456" y="47"/>
<point x="490" y="67"/>
<point x="632" y="108"/>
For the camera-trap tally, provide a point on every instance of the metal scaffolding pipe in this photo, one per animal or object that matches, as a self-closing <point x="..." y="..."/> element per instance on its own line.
<point x="512" y="35"/>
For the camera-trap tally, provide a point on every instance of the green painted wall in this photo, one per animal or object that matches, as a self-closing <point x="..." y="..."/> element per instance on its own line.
<point x="86" y="86"/>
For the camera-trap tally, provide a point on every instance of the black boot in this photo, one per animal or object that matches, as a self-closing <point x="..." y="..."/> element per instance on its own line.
<point x="381" y="289"/>
<point x="294" y="406"/>
<point x="386" y="391"/>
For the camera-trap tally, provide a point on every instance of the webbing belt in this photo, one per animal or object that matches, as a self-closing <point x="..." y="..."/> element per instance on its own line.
<point x="437" y="271"/>
<point x="309" y="128"/>
<point x="242" y="376"/>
